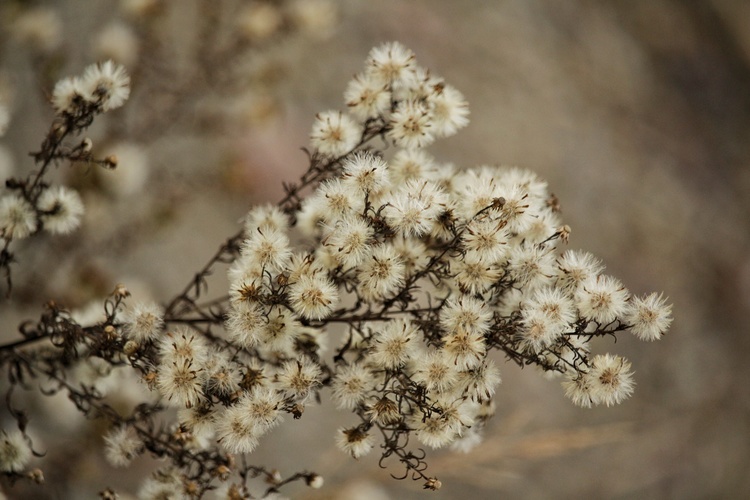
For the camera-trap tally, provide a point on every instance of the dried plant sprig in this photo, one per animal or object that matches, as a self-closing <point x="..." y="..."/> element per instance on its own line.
<point x="424" y="271"/>
<point x="32" y="204"/>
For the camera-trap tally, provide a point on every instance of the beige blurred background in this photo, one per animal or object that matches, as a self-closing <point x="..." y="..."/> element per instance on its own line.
<point x="638" y="115"/>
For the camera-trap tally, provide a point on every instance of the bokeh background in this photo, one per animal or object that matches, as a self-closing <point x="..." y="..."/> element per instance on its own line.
<point x="637" y="113"/>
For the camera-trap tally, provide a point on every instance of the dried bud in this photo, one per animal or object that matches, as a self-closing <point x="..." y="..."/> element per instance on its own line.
<point x="121" y="292"/>
<point x="274" y="477"/>
<point x="131" y="347"/>
<point x="553" y="203"/>
<point x="497" y="203"/>
<point x="222" y="472"/>
<point x="108" y="494"/>
<point x="192" y="489"/>
<point x="297" y="411"/>
<point x="565" y="233"/>
<point x="250" y="292"/>
<point x="150" y="379"/>
<point x="110" y="332"/>
<point x="251" y="378"/>
<point x="110" y="162"/>
<point x="36" y="475"/>
<point x="182" y="435"/>
<point x="384" y="411"/>
<point x="236" y="492"/>
<point x="433" y="484"/>
<point x="59" y="129"/>
<point x="314" y="481"/>
<point x="86" y="145"/>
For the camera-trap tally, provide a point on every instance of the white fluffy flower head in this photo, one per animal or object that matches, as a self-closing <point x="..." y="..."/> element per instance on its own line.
<point x="334" y="134"/>
<point x="17" y="218"/>
<point x="107" y="83"/>
<point x="15" y="452"/>
<point x="61" y="209"/>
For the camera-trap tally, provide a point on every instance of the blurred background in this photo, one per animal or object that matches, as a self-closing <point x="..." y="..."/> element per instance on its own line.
<point x="637" y="113"/>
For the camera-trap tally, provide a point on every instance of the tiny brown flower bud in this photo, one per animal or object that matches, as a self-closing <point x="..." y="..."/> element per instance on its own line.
<point x="553" y="203"/>
<point x="314" y="481"/>
<point x="150" y="379"/>
<point x="250" y="292"/>
<point x="108" y="494"/>
<point x="36" y="475"/>
<point x="120" y="292"/>
<point x="497" y="203"/>
<point x="192" y="488"/>
<point x="274" y="477"/>
<point x="110" y="161"/>
<point x="182" y="435"/>
<point x="222" y="472"/>
<point x="59" y="129"/>
<point x="433" y="484"/>
<point x="297" y="411"/>
<point x="131" y="347"/>
<point x="235" y="493"/>
<point x="110" y="332"/>
<point x="565" y="233"/>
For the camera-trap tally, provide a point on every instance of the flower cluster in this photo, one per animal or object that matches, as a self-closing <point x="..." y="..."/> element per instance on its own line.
<point x="417" y="107"/>
<point x="102" y="86"/>
<point x="32" y="204"/>
<point x="172" y="104"/>
<point x="58" y="209"/>
<point x="421" y="275"/>
<point x="429" y="268"/>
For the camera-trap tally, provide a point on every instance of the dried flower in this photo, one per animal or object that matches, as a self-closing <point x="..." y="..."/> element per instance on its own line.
<point x="144" y="321"/>
<point x="351" y="384"/>
<point x="354" y="441"/>
<point x="393" y="346"/>
<point x="67" y="95"/>
<point x="107" y="84"/>
<point x="122" y="446"/>
<point x="181" y="382"/>
<point x="314" y="481"/>
<point x="298" y="378"/>
<point x="61" y="209"/>
<point x="17" y="218"/>
<point x="649" y="316"/>
<point x="15" y="452"/>
<point x="367" y="97"/>
<point x="391" y="63"/>
<point x="611" y="379"/>
<point x="411" y="125"/>
<point x="423" y="270"/>
<point x="313" y="297"/>
<point x="602" y="299"/>
<point x="334" y="134"/>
